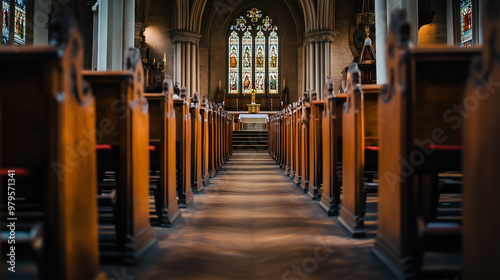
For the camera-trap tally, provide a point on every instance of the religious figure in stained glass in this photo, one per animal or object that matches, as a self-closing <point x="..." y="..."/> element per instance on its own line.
<point x="247" y="60"/>
<point x="233" y="82"/>
<point x="246" y="83"/>
<point x="272" y="83"/>
<point x="259" y="82"/>
<point x="274" y="58"/>
<point x="259" y="62"/>
<point x="233" y="62"/>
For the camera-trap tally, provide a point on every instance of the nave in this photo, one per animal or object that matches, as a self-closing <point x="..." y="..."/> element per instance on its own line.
<point x="252" y="222"/>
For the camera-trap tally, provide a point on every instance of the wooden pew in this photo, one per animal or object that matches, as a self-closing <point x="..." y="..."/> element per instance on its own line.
<point x="332" y="145"/>
<point x="212" y="124"/>
<point x="161" y="136"/>
<point x="293" y="139"/>
<point x="481" y="154"/>
<point x="205" y="145"/>
<point x="288" y="139"/>
<point x="196" y="145"/>
<point x="217" y="138"/>
<point x="229" y="141"/>
<point x="360" y="146"/>
<point x="47" y="125"/>
<point x="298" y="143"/>
<point x="306" y="112"/>
<point x="315" y="147"/>
<point x="123" y="148"/>
<point x="416" y="141"/>
<point x="183" y="148"/>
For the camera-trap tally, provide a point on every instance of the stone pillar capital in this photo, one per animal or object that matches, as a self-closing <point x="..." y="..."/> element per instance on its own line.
<point x="139" y="34"/>
<point x="182" y="36"/>
<point x="320" y="36"/>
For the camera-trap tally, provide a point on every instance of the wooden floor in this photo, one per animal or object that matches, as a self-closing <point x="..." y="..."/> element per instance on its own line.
<point x="252" y="222"/>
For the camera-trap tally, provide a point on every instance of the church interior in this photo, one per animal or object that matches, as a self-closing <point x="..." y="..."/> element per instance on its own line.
<point x="259" y="139"/>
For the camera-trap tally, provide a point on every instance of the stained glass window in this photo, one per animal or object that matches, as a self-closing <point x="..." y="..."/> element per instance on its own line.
<point x="466" y="23"/>
<point x="5" y="21"/>
<point x="255" y="64"/>
<point x="234" y="50"/>
<point x="273" y="62"/>
<point x="260" y="62"/>
<point x="20" y="22"/>
<point x="247" y="61"/>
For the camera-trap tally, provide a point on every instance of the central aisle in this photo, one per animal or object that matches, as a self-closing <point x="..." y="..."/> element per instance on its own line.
<point x="252" y="222"/>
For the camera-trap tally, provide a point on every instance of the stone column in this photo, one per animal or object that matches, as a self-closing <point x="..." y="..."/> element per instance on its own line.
<point x="450" y="40"/>
<point x="128" y="28"/>
<point x="310" y="65"/>
<point x="381" y="35"/>
<point x="186" y="62"/>
<point x="318" y="62"/>
<point x="102" y="37"/>
<point x="187" y="69"/>
<point x="116" y="27"/>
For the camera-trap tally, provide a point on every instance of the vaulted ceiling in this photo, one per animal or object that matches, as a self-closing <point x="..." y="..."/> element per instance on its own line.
<point x="198" y="15"/>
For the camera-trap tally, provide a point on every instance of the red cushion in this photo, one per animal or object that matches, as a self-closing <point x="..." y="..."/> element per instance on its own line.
<point x="444" y="147"/>
<point x="105" y="147"/>
<point x="17" y="171"/>
<point x="152" y="148"/>
<point x="372" y="148"/>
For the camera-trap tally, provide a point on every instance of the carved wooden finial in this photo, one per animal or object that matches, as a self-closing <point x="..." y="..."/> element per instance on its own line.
<point x="353" y="76"/>
<point x="398" y="42"/>
<point x="314" y="95"/>
<point x="184" y="93"/>
<point x="167" y="86"/>
<point x="328" y="88"/>
<point x="306" y="97"/>
<point x="196" y="98"/>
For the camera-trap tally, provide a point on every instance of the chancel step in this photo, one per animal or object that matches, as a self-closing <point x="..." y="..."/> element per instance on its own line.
<point x="244" y="140"/>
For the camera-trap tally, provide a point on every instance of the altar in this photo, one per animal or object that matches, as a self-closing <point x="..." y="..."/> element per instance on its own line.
<point x="256" y="122"/>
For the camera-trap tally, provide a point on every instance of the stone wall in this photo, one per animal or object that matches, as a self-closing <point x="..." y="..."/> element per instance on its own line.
<point x="157" y="33"/>
<point x="341" y="52"/>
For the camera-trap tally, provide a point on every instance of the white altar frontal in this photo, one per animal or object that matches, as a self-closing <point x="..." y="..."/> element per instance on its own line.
<point x="255" y="122"/>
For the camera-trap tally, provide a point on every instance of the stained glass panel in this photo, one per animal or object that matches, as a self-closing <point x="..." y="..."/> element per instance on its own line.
<point x="267" y="23"/>
<point x="254" y="14"/>
<point x="273" y="61"/>
<point x="234" y="50"/>
<point x="247" y="61"/>
<point x="466" y="23"/>
<point x="241" y="24"/>
<point x="260" y="62"/>
<point x="5" y="21"/>
<point x="20" y="22"/>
